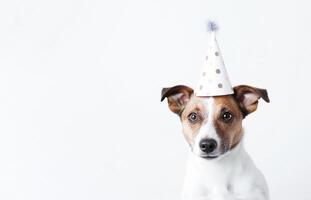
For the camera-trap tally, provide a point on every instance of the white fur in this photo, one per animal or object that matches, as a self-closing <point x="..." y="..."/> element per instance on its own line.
<point x="207" y="130"/>
<point x="232" y="176"/>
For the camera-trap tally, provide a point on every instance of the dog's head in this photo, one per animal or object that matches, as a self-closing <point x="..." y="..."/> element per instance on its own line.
<point x="213" y="125"/>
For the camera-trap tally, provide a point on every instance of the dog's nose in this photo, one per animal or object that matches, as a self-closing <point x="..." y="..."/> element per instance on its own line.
<point x="208" y="145"/>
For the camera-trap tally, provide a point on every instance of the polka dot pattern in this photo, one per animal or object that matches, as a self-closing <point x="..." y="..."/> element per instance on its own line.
<point x="213" y="80"/>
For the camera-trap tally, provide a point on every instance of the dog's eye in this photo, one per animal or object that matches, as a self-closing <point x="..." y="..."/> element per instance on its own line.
<point x="193" y="117"/>
<point x="226" y="116"/>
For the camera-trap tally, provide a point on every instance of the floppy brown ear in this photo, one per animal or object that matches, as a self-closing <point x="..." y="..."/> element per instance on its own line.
<point x="177" y="97"/>
<point x="247" y="97"/>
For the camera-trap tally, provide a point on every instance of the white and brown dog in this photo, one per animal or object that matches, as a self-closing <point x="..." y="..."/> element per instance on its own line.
<point x="219" y="168"/>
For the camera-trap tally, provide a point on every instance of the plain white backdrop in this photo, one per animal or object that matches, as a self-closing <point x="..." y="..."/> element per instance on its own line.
<point x="80" y="82"/>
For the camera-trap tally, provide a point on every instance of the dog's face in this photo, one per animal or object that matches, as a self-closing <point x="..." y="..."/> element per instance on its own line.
<point x="213" y="125"/>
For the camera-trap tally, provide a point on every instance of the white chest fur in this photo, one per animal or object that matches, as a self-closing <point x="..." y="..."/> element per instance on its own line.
<point x="230" y="177"/>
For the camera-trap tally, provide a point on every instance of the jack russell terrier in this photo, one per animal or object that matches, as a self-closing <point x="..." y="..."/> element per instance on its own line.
<point x="218" y="168"/>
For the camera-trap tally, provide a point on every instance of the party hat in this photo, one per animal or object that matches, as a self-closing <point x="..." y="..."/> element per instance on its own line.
<point x="214" y="80"/>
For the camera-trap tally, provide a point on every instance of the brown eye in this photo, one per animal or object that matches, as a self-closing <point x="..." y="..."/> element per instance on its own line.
<point x="226" y="117"/>
<point x="193" y="117"/>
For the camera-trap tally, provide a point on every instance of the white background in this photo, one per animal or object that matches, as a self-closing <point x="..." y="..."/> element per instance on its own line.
<point x="80" y="82"/>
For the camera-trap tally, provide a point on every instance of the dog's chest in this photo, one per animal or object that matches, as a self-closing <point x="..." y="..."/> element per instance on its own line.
<point x="230" y="180"/>
<point x="215" y="183"/>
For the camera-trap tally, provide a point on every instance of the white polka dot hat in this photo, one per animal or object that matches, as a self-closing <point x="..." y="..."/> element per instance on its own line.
<point x="214" y="80"/>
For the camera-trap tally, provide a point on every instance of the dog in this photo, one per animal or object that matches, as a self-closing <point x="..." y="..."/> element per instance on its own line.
<point x="218" y="166"/>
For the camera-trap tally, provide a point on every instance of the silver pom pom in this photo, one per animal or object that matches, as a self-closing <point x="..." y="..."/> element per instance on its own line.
<point x="212" y="26"/>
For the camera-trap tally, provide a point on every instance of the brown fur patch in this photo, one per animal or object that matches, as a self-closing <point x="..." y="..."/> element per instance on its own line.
<point x="190" y="130"/>
<point x="229" y="132"/>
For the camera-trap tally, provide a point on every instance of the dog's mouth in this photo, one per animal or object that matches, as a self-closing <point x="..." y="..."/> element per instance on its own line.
<point x="214" y="155"/>
<point x="209" y="157"/>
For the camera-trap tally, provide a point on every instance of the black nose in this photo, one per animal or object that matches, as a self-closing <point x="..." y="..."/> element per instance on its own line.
<point x="208" y="145"/>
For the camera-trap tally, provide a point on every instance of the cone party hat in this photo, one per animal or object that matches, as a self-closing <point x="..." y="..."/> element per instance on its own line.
<point x="214" y="80"/>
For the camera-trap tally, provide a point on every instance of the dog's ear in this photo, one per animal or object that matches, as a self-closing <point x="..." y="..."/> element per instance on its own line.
<point x="177" y="97"/>
<point x="247" y="97"/>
